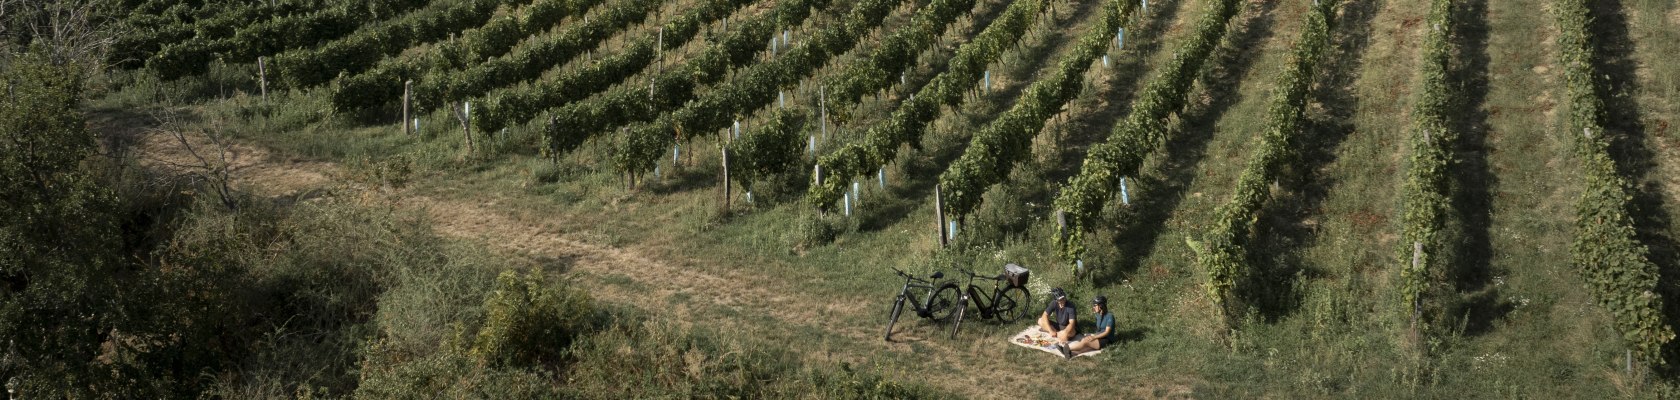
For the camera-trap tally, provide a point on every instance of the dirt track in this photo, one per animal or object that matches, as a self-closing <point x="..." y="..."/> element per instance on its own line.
<point x="258" y="171"/>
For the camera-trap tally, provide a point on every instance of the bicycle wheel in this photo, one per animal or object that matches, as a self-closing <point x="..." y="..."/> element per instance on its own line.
<point x="1011" y="305"/>
<point x="944" y="301"/>
<point x="956" y="324"/>
<point x="897" y="308"/>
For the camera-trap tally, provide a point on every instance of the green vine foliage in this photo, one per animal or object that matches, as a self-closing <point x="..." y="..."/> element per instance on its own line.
<point x="632" y="102"/>
<point x="1220" y="251"/>
<point x="381" y="87"/>
<point x="768" y="149"/>
<point x="239" y="32"/>
<point x="752" y="88"/>
<point x="895" y="54"/>
<point x="305" y="68"/>
<point x="1142" y="131"/>
<point x="1606" y="250"/>
<point x="881" y="142"/>
<point x="193" y="56"/>
<point x="994" y="151"/>
<point x="515" y="105"/>
<point x="440" y="86"/>
<point x="1424" y="201"/>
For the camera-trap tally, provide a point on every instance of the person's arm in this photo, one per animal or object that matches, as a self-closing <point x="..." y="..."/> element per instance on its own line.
<point x="1073" y="319"/>
<point x="1106" y="330"/>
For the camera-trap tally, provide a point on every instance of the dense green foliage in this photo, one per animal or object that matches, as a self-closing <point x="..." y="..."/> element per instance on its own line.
<point x="896" y="53"/>
<point x="994" y="151"/>
<point x="1425" y="204"/>
<point x="629" y="103"/>
<point x="1142" y="131"/>
<point x="880" y="143"/>
<point x="1607" y="249"/>
<point x="303" y="68"/>
<point x="55" y="224"/>
<point x="382" y="86"/>
<point x="515" y="105"/>
<point x="750" y="89"/>
<point x="178" y="40"/>
<point x="533" y="57"/>
<point x="768" y="149"/>
<point x="1221" y="253"/>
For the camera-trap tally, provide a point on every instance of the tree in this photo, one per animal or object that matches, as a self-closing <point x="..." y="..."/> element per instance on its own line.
<point x="57" y="243"/>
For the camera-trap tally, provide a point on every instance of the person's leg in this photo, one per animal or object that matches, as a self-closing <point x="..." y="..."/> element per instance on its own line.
<point x="1064" y="336"/>
<point x="1079" y="345"/>
<point x="1085" y="345"/>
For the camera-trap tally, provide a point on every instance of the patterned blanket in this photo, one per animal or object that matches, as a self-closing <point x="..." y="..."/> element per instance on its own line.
<point x="1032" y="338"/>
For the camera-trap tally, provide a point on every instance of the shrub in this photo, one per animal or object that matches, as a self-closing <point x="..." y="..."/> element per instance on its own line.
<point x="529" y="323"/>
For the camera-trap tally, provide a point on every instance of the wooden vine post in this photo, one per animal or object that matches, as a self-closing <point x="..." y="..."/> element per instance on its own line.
<point x="1417" y="303"/>
<point x="262" y="76"/>
<point x="725" y="150"/>
<point x="939" y="215"/>
<point x="466" y="125"/>
<point x="408" y="96"/>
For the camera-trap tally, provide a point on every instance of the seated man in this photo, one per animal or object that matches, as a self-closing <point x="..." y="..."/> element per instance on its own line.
<point x="1099" y="338"/>
<point x="1058" y="319"/>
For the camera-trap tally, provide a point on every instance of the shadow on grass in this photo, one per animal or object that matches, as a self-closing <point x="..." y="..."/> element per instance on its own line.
<point x="1618" y="86"/>
<point x="1474" y="314"/>
<point x="1130" y="336"/>
<point x="1147" y="217"/>
<point x="1472" y="180"/>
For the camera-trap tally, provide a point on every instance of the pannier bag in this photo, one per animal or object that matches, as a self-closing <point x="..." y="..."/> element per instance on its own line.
<point x="1016" y="275"/>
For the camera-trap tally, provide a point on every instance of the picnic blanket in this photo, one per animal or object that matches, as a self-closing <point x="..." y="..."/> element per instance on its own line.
<point x="1033" y="339"/>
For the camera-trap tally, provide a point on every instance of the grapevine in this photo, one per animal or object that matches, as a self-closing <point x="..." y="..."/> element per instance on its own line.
<point x="1220" y="252"/>
<point x="753" y="87"/>
<point x="1606" y="249"/>
<point x="994" y="151"/>
<point x="1141" y="132"/>
<point x="518" y="104"/>
<point x="881" y="142"/>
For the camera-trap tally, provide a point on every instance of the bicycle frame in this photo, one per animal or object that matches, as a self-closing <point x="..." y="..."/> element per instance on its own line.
<point x="928" y="308"/>
<point x="912" y="282"/>
<point x="973" y="292"/>
<point x="989" y="305"/>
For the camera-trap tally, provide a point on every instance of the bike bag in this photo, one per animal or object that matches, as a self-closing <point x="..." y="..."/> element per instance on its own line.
<point x="1016" y="275"/>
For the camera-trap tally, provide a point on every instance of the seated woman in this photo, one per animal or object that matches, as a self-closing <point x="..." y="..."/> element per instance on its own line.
<point x="1099" y="338"/>
<point x="1058" y="319"/>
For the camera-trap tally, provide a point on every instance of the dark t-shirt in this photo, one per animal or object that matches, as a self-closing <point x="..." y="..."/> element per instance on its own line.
<point x="1105" y="321"/>
<point x="1061" y="317"/>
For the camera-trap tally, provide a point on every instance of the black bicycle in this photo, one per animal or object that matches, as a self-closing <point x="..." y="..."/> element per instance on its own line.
<point x="1008" y="302"/>
<point x="937" y="307"/>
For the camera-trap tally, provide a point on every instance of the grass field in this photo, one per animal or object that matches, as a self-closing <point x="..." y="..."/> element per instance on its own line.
<point x="1516" y="320"/>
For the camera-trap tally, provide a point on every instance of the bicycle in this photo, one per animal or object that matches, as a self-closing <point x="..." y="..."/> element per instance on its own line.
<point x="1008" y="303"/>
<point x="937" y="307"/>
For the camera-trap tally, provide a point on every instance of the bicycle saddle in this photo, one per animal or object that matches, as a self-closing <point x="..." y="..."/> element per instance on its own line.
<point x="937" y="275"/>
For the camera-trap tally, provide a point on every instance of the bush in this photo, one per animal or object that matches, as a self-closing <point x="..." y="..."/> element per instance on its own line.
<point x="528" y="323"/>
